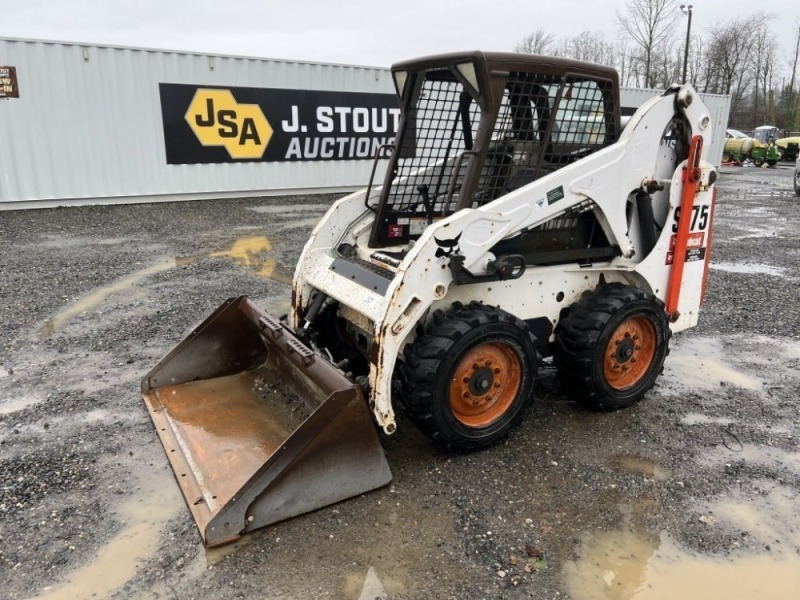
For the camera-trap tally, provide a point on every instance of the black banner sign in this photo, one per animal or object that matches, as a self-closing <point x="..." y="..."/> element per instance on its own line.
<point x="8" y="82"/>
<point x="221" y="125"/>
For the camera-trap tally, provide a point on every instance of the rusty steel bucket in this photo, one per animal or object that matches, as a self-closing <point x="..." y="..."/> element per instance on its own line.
<point x="258" y="428"/>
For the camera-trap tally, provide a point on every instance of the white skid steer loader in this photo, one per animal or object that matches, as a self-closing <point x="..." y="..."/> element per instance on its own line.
<point x="516" y="220"/>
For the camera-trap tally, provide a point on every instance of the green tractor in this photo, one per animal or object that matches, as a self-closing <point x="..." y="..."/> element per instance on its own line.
<point x="740" y="147"/>
<point x="766" y="150"/>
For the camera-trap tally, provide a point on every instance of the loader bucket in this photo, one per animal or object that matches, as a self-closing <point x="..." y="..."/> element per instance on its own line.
<point x="257" y="427"/>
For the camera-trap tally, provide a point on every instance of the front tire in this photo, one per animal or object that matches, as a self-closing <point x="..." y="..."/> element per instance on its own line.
<point x="611" y="347"/>
<point x="468" y="378"/>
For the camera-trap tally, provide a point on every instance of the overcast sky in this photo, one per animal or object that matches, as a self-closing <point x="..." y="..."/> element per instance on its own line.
<point x="364" y="32"/>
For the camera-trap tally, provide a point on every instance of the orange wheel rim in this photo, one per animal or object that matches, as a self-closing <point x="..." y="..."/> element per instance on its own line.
<point x="629" y="353"/>
<point x="485" y="383"/>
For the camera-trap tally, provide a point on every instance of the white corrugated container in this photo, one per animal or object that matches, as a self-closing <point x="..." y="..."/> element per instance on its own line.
<point x="87" y="126"/>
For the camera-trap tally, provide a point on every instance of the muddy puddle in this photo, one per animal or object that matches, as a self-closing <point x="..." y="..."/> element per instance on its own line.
<point x="152" y="502"/>
<point x="635" y="564"/>
<point x="628" y="565"/>
<point x="248" y="252"/>
<point x="648" y="468"/>
<point x="703" y="364"/>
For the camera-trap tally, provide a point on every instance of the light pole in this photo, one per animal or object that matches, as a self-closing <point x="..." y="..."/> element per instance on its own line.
<point x="686" y="9"/>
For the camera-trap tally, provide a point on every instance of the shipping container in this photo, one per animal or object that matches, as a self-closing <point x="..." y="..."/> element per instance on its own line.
<point x="94" y="124"/>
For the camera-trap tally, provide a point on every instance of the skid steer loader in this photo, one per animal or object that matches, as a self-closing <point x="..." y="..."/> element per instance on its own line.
<point x="516" y="220"/>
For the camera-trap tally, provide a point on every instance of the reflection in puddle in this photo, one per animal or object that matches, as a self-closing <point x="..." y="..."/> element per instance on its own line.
<point x="631" y="564"/>
<point x="698" y="364"/>
<point x="246" y="252"/>
<point x="155" y="502"/>
<point x="100" y="295"/>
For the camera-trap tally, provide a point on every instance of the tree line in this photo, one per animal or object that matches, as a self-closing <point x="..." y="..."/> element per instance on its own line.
<point x="739" y="56"/>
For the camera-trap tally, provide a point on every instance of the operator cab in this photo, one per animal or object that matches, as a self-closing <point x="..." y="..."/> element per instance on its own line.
<point x="477" y="126"/>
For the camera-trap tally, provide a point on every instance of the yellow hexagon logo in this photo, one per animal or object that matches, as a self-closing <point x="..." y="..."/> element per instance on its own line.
<point x="217" y="119"/>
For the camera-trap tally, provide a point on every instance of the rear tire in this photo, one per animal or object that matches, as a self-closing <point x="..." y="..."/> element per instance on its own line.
<point x="468" y="378"/>
<point x="611" y="347"/>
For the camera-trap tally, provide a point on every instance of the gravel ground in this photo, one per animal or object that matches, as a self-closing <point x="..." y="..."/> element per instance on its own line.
<point x="685" y="495"/>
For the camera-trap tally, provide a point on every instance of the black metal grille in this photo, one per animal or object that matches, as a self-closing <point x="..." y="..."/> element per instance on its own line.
<point x="543" y="124"/>
<point x="441" y="126"/>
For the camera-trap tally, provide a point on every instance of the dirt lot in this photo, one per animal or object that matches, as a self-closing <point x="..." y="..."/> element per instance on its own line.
<point x="693" y="493"/>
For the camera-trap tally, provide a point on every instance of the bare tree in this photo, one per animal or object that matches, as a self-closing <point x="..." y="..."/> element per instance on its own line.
<point x="536" y="42"/>
<point x="648" y="23"/>
<point x="793" y="105"/>
<point x="589" y="46"/>
<point x="730" y="51"/>
<point x="763" y="65"/>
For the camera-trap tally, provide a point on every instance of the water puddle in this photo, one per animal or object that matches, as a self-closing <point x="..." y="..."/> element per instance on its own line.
<point x="632" y="563"/>
<point x="625" y="565"/>
<point x="699" y="364"/>
<point x="155" y="502"/>
<point x="748" y="269"/>
<point x="310" y="223"/>
<point x="100" y="295"/>
<point x="753" y="455"/>
<point x="10" y="406"/>
<point x="765" y="518"/>
<point x="216" y="554"/>
<point x="648" y="468"/>
<point x="701" y="419"/>
<point x="290" y="209"/>
<point x="248" y="252"/>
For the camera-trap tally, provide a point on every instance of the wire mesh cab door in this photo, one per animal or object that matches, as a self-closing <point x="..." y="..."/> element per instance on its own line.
<point x="440" y="121"/>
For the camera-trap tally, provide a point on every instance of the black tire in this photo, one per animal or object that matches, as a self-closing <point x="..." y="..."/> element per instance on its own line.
<point x="758" y="161"/>
<point x="726" y="157"/>
<point x="599" y="353"/>
<point x="444" y="386"/>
